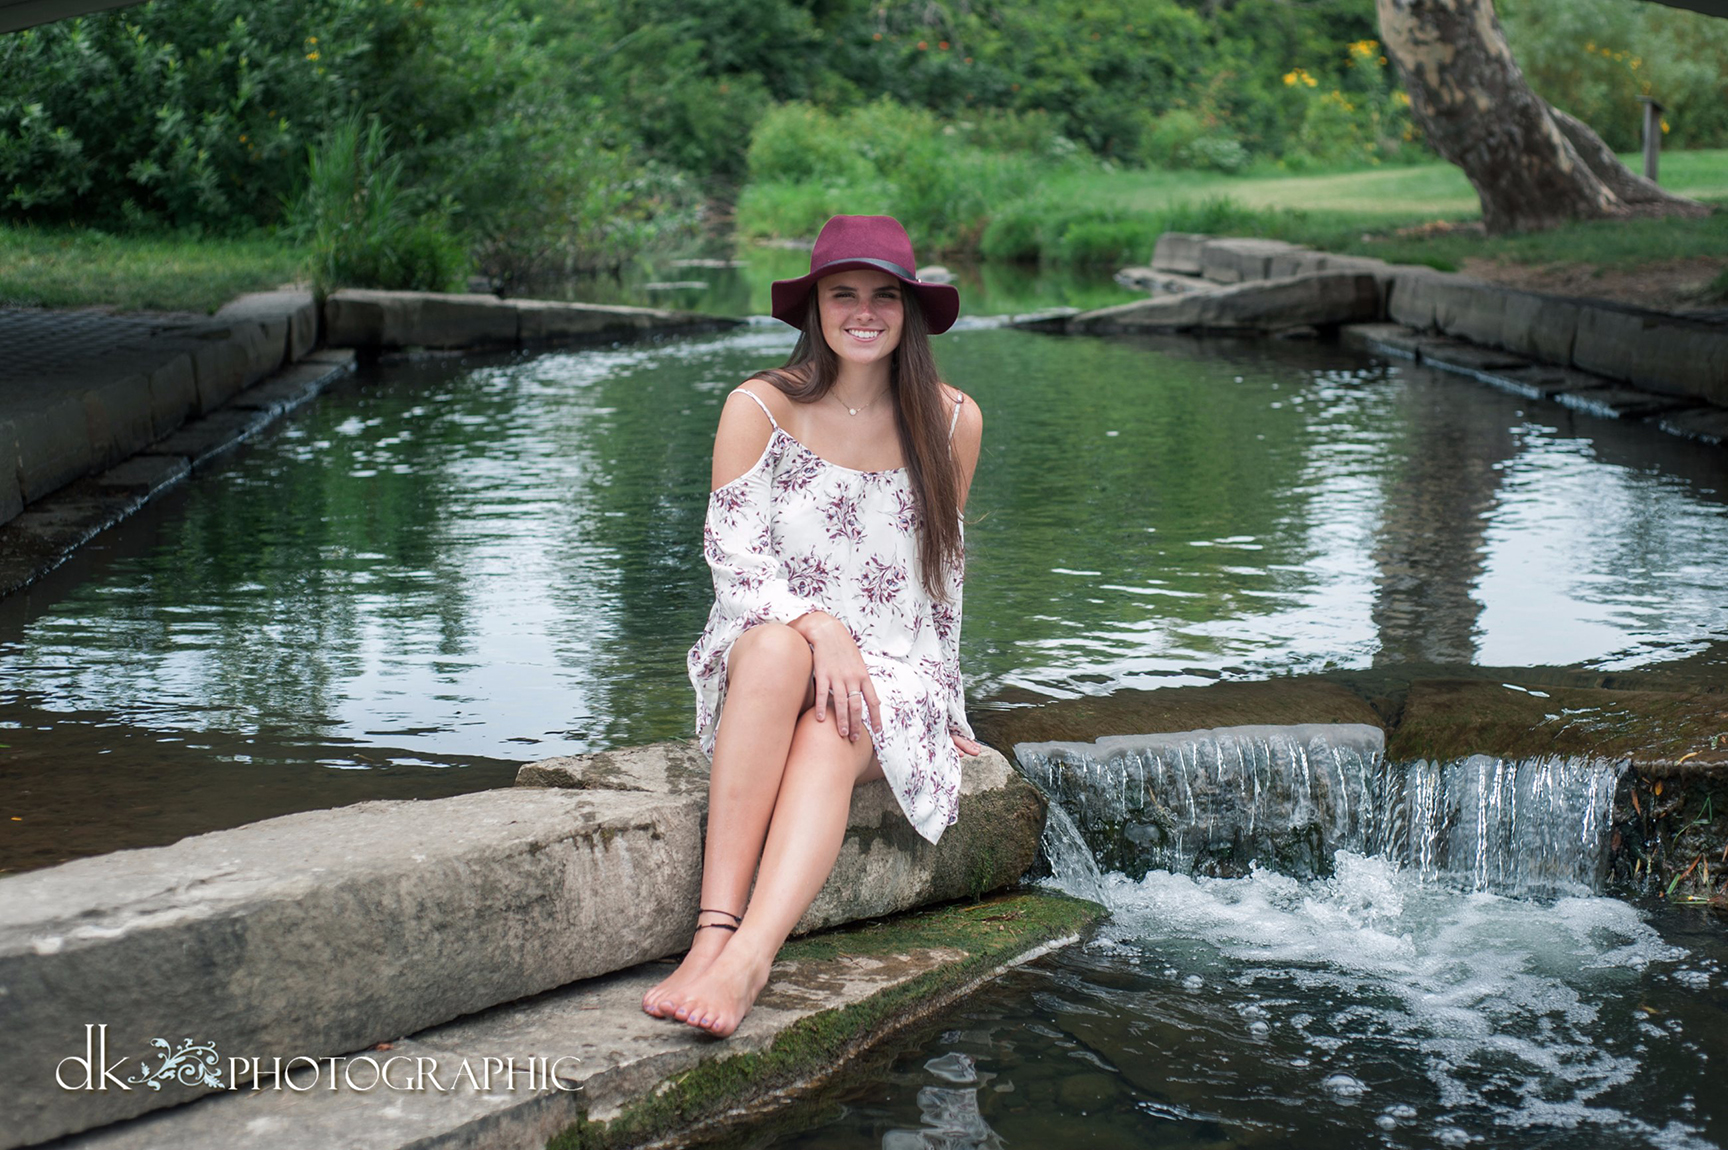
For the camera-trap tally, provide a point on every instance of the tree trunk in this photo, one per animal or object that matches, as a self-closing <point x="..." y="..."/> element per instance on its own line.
<point x="1631" y="188"/>
<point x="1468" y="95"/>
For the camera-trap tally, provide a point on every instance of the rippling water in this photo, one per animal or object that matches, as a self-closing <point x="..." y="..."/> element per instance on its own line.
<point x="448" y="567"/>
<point x="1367" y="1009"/>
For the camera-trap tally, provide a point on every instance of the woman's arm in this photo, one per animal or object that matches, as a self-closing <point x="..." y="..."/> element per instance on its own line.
<point x="968" y="443"/>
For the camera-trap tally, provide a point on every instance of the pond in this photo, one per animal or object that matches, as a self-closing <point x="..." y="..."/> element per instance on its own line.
<point x="447" y="567"/>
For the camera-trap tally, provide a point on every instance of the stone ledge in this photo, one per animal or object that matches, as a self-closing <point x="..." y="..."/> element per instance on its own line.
<point x="1318" y="299"/>
<point x="399" y="320"/>
<point x="884" y="866"/>
<point x="626" y="1079"/>
<point x="328" y="931"/>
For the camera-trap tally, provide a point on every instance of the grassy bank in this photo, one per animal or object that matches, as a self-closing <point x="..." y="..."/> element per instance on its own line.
<point x="78" y="267"/>
<point x="1078" y="214"/>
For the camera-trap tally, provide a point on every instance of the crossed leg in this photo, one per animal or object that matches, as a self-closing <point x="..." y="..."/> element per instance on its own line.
<point x="780" y="791"/>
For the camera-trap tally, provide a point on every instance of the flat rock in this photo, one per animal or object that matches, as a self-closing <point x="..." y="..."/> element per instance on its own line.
<point x="1381" y="338"/>
<point x="1157" y="283"/>
<point x="1705" y="424"/>
<point x="203" y="441"/>
<point x="1323" y="299"/>
<point x="1614" y="402"/>
<point x="1179" y="253"/>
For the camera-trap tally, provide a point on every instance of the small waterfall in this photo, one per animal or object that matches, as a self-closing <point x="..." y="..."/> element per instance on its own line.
<point x="1218" y="801"/>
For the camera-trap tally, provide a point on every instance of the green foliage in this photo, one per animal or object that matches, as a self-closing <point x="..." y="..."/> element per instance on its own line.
<point x="364" y="229"/>
<point x="1594" y="58"/>
<point x="807" y="165"/>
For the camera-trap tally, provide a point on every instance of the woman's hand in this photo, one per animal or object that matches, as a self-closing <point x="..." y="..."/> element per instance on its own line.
<point x="966" y="746"/>
<point x="838" y="670"/>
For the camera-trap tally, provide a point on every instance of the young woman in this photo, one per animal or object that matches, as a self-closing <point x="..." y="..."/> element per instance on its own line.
<point x="831" y="655"/>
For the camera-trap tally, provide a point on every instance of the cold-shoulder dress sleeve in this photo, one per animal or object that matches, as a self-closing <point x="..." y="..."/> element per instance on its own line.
<point x="750" y="582"/>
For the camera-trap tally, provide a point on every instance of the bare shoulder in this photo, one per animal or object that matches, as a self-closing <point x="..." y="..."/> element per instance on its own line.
<point x="969" y="428"/>
<point x="745" y="429"/>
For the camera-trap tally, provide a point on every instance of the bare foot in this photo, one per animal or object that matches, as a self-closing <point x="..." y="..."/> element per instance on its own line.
<point x="704" y="949"/>
<point x="723" y="994"/>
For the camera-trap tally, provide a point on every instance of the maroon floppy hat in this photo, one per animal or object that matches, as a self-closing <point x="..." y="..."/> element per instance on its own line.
<point x="879" y="242"/>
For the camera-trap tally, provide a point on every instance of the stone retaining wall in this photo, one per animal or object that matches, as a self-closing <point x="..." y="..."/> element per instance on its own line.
<point x="398" y="320"/>
<point x="321" y="933"/>
<point x="1656" y="351"/>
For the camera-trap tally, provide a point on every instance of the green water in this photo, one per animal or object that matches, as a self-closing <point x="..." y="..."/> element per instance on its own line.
<point x="445" y="568"/>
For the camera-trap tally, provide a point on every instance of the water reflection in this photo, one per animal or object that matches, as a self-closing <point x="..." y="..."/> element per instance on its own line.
<point x="468" y="562"/>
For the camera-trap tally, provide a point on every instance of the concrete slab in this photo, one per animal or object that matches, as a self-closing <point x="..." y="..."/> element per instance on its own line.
<point x="1179" y="252"/>
<point x="40" y="537"/>
<point x="1542" y="381"/>
<point x="1324" y="299"/>
<point x="1615" y="402"/>
<point x="1230" y="261"/>
<point x="53" y="445"/>
<point x="173" y="394"/>
<point x="1411" y="298"/>
<point x="11" y="497"/>
<point x="293" y="308"/>
<point x="1705" y="424"/>
<point x="203" y="441"/>
<point x="118" y="414"/>
<point x="884" y="867"/>
<point x="1154" y="282"/>
<point x="292" y="387"/>
<point x="328" y="931"/>
<point x="1467" y="358"/>
<point x="1391" y="339"/>
<point x="585" y="1055"/>
<point x="1655" y="351"/>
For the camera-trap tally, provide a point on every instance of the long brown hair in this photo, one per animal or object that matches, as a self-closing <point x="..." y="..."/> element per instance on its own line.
<point x="921" y="416"/>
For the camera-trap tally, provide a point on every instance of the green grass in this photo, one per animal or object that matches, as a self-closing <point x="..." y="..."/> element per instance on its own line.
<point x="75" y="267"/>
<point x="1359" y="212"/>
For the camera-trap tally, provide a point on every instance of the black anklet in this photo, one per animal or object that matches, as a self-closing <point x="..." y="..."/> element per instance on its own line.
<point x="717" y="926"/>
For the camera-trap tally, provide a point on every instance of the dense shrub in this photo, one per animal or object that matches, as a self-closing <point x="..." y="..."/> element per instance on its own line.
<point x="363" y="227"/>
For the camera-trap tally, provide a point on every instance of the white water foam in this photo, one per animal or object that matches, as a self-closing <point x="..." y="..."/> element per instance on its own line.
<point x="1495" y="1000"/>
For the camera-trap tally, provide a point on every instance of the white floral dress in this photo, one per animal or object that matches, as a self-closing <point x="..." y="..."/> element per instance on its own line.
<point x="796" y="534"/>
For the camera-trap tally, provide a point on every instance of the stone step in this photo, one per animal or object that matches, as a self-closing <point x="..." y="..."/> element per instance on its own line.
<point x="586" y="1057"/>
<point x="325" y="932"/>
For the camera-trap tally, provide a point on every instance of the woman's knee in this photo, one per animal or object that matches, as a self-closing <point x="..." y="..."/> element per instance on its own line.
<point x="769" y="653"/>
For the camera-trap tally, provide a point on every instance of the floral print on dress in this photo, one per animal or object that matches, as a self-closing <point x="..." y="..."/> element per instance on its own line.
<point x="795" y="534"/>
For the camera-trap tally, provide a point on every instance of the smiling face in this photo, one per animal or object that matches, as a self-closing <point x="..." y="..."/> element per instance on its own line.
<point x="863" y="313"/>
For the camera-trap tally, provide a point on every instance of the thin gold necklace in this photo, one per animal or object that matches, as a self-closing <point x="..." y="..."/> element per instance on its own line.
<point x="835" y="392"/>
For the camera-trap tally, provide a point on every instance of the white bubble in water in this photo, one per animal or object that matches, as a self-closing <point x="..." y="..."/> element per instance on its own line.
<point x="1193" y="982"/>
<point x="1345" y="1085"/>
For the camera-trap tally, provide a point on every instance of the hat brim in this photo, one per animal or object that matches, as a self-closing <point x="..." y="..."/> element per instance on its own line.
<point x="941" y="302"/>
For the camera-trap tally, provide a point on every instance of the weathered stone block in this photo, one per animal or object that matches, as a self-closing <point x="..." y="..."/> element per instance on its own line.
<point x="1240" y="260"/>
<point x="221" y="366"/>
<point x="293" y="310"/>
<point x="202" y="441"/>
<point x="1544" y="381"/>
<point x="1469" y="309"/>
<point x="549" y="319"/>
<point x="118" y="416"/>
<point x="1662" y="353"/>
<point x="53" y="446"/>
<point x="1620" y="402"/>
<point x="1540" y="326"/>
<point x="885" y="866"/>
<point x="173" y="394"/>
<point x="1380" y="338"/>
<point x="11" y="496"/>
<point x="1324" y="299"/>
<point x="1412" y="297"/>
<point x="1178" y="252"/>
<point x="391" y="320"/>
<point x="1155" y="282"/>
<point x="1705" y="424"/>
<point x="143" y="475"/>
<point x="325" y="932"/>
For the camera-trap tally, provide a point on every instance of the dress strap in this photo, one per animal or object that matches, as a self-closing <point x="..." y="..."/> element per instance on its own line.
<point x="955" y="422"/>
<point x="770" y="414"/>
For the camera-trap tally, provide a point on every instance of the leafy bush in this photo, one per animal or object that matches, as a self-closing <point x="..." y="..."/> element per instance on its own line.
<point x="363" y="228"/>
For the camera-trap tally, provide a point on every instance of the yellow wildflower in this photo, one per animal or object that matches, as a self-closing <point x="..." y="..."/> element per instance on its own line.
<point x="312" y="55"/>
<point x="1664" y="127"/>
